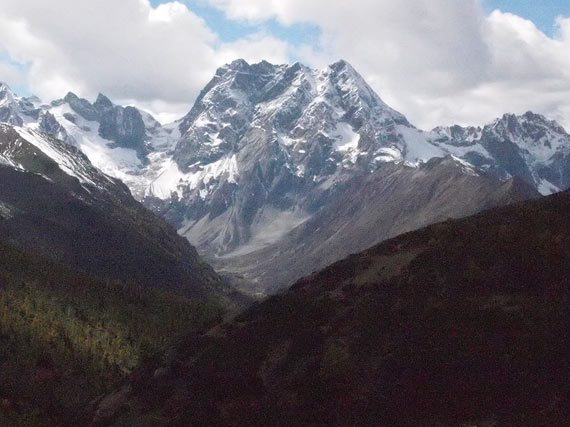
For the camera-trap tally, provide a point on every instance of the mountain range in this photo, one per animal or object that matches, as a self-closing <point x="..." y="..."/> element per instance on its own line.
<point x="268" y="152"/>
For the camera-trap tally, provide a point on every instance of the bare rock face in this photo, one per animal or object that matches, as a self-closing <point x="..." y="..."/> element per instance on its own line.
<point x="82" y="107"/>
<point x="122" y="125"/>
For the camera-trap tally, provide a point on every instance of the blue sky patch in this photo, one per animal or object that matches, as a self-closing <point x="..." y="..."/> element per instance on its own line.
<point x="542" y="12"/>
<point x="229" y="30"/>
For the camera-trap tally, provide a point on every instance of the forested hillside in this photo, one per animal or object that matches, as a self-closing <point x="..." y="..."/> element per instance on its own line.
<point x="67" y="337"/>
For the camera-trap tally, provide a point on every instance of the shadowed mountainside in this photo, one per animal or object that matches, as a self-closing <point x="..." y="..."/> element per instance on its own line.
<point x="67" y="337"/>
<point x="54" y="202"/>
<point x="462" y="322"/>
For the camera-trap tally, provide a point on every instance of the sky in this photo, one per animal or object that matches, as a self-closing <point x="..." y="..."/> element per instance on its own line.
<point x="439" y="62"/>
<point x="542" y="13"/>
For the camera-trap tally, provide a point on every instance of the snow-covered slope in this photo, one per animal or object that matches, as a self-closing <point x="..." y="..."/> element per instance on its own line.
<point x="32" y="151"/>
<point x="123" y="142"/>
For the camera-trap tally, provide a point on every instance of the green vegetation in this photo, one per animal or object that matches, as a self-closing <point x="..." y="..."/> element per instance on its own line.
<point x="461" y="323"/>
<point x="67" y="337"/>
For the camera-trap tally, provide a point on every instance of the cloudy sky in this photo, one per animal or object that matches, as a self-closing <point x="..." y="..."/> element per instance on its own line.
<point x="436" y="61"/>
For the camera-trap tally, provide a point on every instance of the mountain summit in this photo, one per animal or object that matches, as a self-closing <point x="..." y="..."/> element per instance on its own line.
<point x="267" y="149"/>
<point x="268" y="140"/>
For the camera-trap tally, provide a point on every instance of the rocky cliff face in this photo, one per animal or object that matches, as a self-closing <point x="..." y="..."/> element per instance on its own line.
<point x="124" y="126"/>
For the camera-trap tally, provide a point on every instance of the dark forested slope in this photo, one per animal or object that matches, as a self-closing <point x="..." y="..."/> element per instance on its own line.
<point x="461" y="323"/>
<point x="66" y="337"/>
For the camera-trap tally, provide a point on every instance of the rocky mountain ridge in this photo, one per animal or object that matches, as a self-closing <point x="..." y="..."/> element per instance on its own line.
<point x="528" y="146"/>
<point x="54" y="202"/>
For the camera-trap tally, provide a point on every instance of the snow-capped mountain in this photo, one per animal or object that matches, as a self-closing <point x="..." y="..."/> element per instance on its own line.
<point x="16" y="110"/>
<point x="123" y="142"/>
<point x="263" y="144"/>
<point x="530" y="146"/>
<point x="318" y="124"/>
<point x="266" y="148"/>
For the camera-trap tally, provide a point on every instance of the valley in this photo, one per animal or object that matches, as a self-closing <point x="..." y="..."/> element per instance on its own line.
<point x="292" y="251"/>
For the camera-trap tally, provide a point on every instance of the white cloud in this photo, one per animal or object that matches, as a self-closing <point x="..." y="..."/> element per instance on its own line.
<point x="156" y="57"/>
<point x="437" y="61"/>
<point x="11" y="73"/>
<point x="255" y="48"/>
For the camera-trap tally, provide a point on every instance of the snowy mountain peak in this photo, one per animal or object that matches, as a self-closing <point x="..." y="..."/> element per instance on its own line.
<point x="340" y="64"/>
<point x="532" y="125"/>
<point x="70" y="96"/>
<point x="238" y="65"/>
<point x="6" y="93"/>
<point x="296" y="105"/>
<point x="14" y="109"/>
<point x="103" y="103"/>
<point x="357" y="91"/>
<point x="528" y="146"/>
